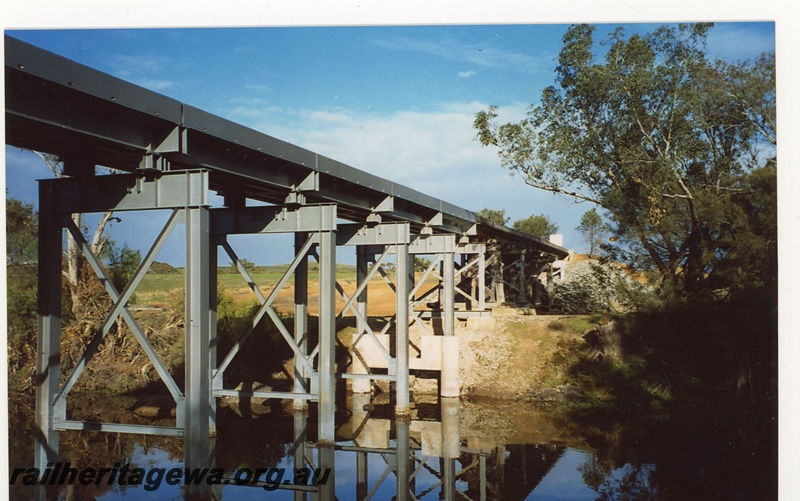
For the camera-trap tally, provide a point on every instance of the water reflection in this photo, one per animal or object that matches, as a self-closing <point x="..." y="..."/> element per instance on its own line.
<point x="479" y="450"/>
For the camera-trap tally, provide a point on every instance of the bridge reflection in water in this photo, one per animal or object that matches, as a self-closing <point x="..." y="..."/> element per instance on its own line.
<point x="378" y="455"/>
<point x="442" y="450"/>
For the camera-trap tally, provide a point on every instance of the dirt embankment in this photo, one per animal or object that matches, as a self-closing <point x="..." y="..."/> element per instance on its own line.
<point x="517" y="356"/>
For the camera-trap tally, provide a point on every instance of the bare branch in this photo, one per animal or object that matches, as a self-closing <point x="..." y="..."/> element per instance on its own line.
<point x="51" y="161"/>
<point x="560" y="191"/>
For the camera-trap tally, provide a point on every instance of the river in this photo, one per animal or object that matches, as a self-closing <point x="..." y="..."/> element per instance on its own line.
<point x="468" y="449"/>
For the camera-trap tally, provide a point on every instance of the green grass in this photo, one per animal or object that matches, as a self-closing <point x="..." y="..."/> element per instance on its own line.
<point x="574" y="323"/>
<point x="159" y="288"/>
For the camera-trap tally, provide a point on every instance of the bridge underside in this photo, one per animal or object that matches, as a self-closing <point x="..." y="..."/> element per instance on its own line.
<point x="173" y="157"/>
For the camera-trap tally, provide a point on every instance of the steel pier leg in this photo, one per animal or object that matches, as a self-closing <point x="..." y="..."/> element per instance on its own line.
<point x="361" y="476"/>
<point x="212" y="332"/>
<point x="522" y="299"/>
<point x="482" y="281"/>
<point x="327" y="337"/>
<point x="300" y="420"/>
<point x="402" y="397"/>
<point x="449" y="474"/>
<point x="357" y="367"/>
<point x="448" y="294"/>
<point x="449" y="378"/>
<point x="198" y="376"/>
<point x="451" y="444"/>
<point x="48" y="345"/>
<point x="482" y="465"/>
<point x="327" y="491"/>
<point x="300" y="319"/>
<point x="402" y="467"/>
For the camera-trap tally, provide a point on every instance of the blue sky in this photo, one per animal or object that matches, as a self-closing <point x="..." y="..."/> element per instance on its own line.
<point x="396" y="101"/>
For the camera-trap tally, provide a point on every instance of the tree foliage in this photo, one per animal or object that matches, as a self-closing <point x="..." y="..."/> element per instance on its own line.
<point x="120" y="263"/>
<point x="494" y="216"/>
<point x="21" y="245"/>
<point x="248" y="265"/>
<point x="21" y="232"/>
<point x="539" y="226"/>
<point x="593" y="229"/>
<point x="664" y="139"/>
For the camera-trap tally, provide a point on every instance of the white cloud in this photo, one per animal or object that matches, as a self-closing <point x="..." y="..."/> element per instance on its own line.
<point x="264" y="89"/>
<point x="144" y="70"/>
<point x="466" y="74"/>
<point x="432" y="151"/>
<point x="484" y="55"/>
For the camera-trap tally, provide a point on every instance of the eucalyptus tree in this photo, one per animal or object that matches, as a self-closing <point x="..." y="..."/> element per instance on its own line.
<point x="651" y="130"/>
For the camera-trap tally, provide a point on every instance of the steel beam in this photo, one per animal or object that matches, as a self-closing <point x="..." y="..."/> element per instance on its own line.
<point x="198" y="375"/>
<point x="300" y="319"/>
<point x="481" y="279"/>
<point x="61" y="107"/>
<point x="127" y="192"/>
<point x="300" y="426"/>
<point x="361" y="476"/>
<point x="274" y="219"/>
<point x="213" y="251"/>
<point x="48" y="344"/>
<point x="402" y="472"/>
<point x="138" y="429"/>
<point x="327" y="455"/>
<point x="327" y="337"/>
<point x="433" y="244"/>
<point x="373" y="234"/>
<point x="448" y="294"/>
<point x="362" y="325"/>
<point x="402" y="402"/>
<point x="297" y="396"/>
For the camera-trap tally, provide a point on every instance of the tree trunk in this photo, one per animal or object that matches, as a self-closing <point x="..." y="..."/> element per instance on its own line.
<point x="73" y="270"/>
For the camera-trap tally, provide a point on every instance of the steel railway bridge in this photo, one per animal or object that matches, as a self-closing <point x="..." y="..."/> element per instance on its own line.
<point x="171" y="156"/>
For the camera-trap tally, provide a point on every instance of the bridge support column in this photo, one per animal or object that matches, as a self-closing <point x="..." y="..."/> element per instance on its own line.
<point x="402" y="402"/>
<point x="448" y="293"/>
<point x="482" y="281"/>
<point x="198" y="363"/>
<point x="48" y="346"/>
<point x="449" y="385"/>
<point x="402" y="470"/>
<point x="451" y="445"/>
<point x="300" y="320"/>
<point x="357" y="367"/>
<point x="522" y="296"/>
<point x="300" y="422"/>
<point x="212" y="331"/>
<point x="327" y="337"/>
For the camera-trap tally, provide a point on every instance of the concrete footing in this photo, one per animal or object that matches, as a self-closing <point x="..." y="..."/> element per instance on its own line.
<point x="450" y="381"/>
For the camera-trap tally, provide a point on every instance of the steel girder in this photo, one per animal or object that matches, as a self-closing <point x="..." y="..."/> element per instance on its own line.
<point x="58" y="106"/>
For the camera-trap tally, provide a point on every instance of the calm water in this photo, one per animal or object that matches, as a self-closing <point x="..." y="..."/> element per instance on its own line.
<point x="471" y="450"/>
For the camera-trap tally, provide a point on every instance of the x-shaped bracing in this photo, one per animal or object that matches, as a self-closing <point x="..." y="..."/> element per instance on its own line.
<point x="265" y="308"/>
<point x="120" y="308"/>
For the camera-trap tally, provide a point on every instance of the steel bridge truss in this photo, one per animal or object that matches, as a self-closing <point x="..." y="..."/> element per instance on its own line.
<point x="172" y="156"/>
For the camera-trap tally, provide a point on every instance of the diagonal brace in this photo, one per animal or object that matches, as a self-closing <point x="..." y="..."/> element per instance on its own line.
<point x="120" y="302"/>
<point x="267" y="309"/>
